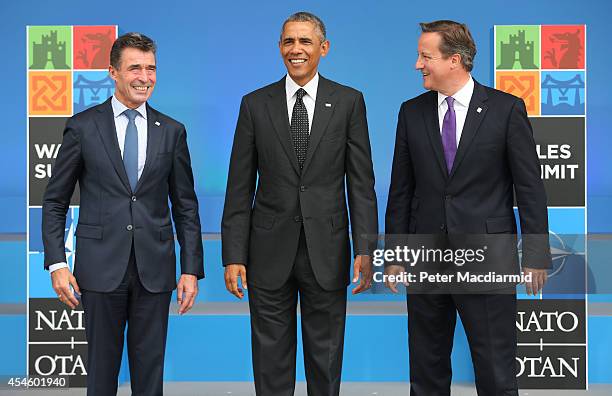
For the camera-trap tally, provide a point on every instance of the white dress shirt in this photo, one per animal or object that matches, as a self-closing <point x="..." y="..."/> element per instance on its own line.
<point x="461" y="105"/>
<point x="291" y="88"/>
<point x="121" y="122"/>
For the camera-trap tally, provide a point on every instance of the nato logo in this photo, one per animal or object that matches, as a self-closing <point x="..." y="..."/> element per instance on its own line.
<point x="36" y="245"/>
<point x="91" y="88"/>
<point x="563" y="93"/>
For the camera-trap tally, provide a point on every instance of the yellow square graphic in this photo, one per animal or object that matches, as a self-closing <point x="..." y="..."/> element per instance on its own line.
<point x="50" y="93"/>
<point x="524" y="84"/>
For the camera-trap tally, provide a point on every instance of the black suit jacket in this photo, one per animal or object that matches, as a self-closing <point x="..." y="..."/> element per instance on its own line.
<point x="496" y="156"/>
<point x="263" y="232"/>
<point x="111" y="215"/>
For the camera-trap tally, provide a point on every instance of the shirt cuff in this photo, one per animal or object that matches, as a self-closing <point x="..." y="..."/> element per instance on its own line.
<point x="56" y="266"/>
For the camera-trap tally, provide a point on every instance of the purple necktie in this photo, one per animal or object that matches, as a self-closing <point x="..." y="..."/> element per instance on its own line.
<point x="449" y="137"/>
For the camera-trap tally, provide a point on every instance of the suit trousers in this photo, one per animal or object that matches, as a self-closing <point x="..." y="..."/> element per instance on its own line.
<point x="489" y="321"/>
<point x="106" y="316"/>
<point x="274" y="328"/>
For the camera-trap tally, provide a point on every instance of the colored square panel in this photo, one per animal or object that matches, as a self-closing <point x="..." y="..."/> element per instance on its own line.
<point x="35" y="244"/>
<point x="551" y="367"/>
<point x="92" y="46"/>
<point x="39" y="281"/>
<point x="49" y="47"/>
<point x="563" y="92"/>
<point x="524" y="84"/>
<point x="91" y="88"/>
<point x="35" y="223"/>
<point x="567" y="221"/>
<point x="46" y="134"/>
<point x="50" y="93"/>
<point x="560" y="148"/>
<point x="517" y="47"/>
<point x="563" y="46"/>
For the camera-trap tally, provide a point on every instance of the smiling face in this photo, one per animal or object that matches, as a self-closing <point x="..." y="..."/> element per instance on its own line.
<point x="434" y="66"/>
<point x="301" y="48"/>
<point x="135" y="77"/>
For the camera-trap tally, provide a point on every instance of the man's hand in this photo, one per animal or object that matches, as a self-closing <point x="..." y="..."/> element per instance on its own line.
<point x="363" y="266"/>
<point x="393" y="270"/>
<point x="186" y="292"/>
<point x="232" y="272"/>
<point x="61" y="280"/>
<point x="538" y="279"/>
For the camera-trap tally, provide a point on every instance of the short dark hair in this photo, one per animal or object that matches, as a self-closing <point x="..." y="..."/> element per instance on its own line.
<point x="304" y="16"/>
<point x="130" y="40"/>
<point x="456" y="39"/>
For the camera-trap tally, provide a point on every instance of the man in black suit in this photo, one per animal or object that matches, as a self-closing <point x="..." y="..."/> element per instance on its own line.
<point x="128" y="159"/>
<point x="460" y="151"/>
<point x="298" y="142"/>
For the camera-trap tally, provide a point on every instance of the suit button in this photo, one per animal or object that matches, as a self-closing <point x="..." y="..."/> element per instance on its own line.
<point x="302" y="188"/>
<point x="448" y="197"/>
<point x="297" y="219"/>
<point x="129" y="227"/>
<point x="443" y="227"/>
<point x="134" y="198"/>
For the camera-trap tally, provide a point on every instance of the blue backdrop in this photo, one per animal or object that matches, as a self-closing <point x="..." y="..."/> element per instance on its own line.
<point x="211" y="54"/>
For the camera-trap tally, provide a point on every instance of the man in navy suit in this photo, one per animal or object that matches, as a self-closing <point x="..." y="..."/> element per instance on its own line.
<point x="128" y="159"/>
<point x="461" y="150"/>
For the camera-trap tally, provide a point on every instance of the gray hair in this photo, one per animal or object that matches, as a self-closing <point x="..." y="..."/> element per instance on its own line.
<point x="130" y="40"/>
<point x="456" y="39"/>
<point x="304" y="16"/>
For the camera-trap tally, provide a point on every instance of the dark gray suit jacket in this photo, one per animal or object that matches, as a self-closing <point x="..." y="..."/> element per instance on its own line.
<point x="268" y="198"/>
<point x="496" y="157"/>
<point x="111" y="215"/>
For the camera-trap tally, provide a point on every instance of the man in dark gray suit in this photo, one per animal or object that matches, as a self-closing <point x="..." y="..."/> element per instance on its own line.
<point x="128" y="159"/>
<point x="298" y="143"/>
<point x="461" y="151"/>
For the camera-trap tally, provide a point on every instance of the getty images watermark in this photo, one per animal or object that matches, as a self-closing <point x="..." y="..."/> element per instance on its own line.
<point x="452" y="266"/>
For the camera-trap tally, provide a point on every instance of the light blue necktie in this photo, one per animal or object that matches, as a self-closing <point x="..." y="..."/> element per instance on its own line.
<point x="130" y="148"/>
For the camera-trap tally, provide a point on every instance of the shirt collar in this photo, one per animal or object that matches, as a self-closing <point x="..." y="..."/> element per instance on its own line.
<point x="463" y="96"/>
<point x="291" y="87"/>
<point x="119" y="108"/>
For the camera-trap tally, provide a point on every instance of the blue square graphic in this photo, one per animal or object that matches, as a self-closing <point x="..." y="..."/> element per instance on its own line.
<point x="35" y="234"/>
<point x="91" y="88"/>
<point x="36" y="245"/>
<point x="563" y="92"/>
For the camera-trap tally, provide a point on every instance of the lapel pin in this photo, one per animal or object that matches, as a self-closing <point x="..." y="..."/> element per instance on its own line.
<point x="478" y="110"/>
<point x="327" y="104"/>
<point x="157" y="122"/>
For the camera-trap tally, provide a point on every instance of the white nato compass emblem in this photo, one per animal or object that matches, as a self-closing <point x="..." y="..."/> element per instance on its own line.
<point x="558" y="250"/>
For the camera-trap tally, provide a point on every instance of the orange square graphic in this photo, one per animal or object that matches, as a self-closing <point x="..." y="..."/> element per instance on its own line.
<point x="524" y="84"/>
<point x="50" y="93"/>
<point x="92" y="46"/>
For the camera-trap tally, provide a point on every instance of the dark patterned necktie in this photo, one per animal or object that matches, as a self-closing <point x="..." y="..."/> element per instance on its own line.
<point x="299" y="127"/>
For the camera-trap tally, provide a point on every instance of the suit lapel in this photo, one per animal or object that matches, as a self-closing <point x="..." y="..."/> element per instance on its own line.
<point x="154" y="134"/>
<point x="106" y="127"/>
<point x="324" y="108"/>
<point x="432" y="123"/>
<point x="277" y="109"/>
<point x="475" y="115"/>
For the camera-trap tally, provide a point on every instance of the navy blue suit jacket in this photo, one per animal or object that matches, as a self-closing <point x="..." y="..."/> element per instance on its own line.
<point x="112" y="217"/>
